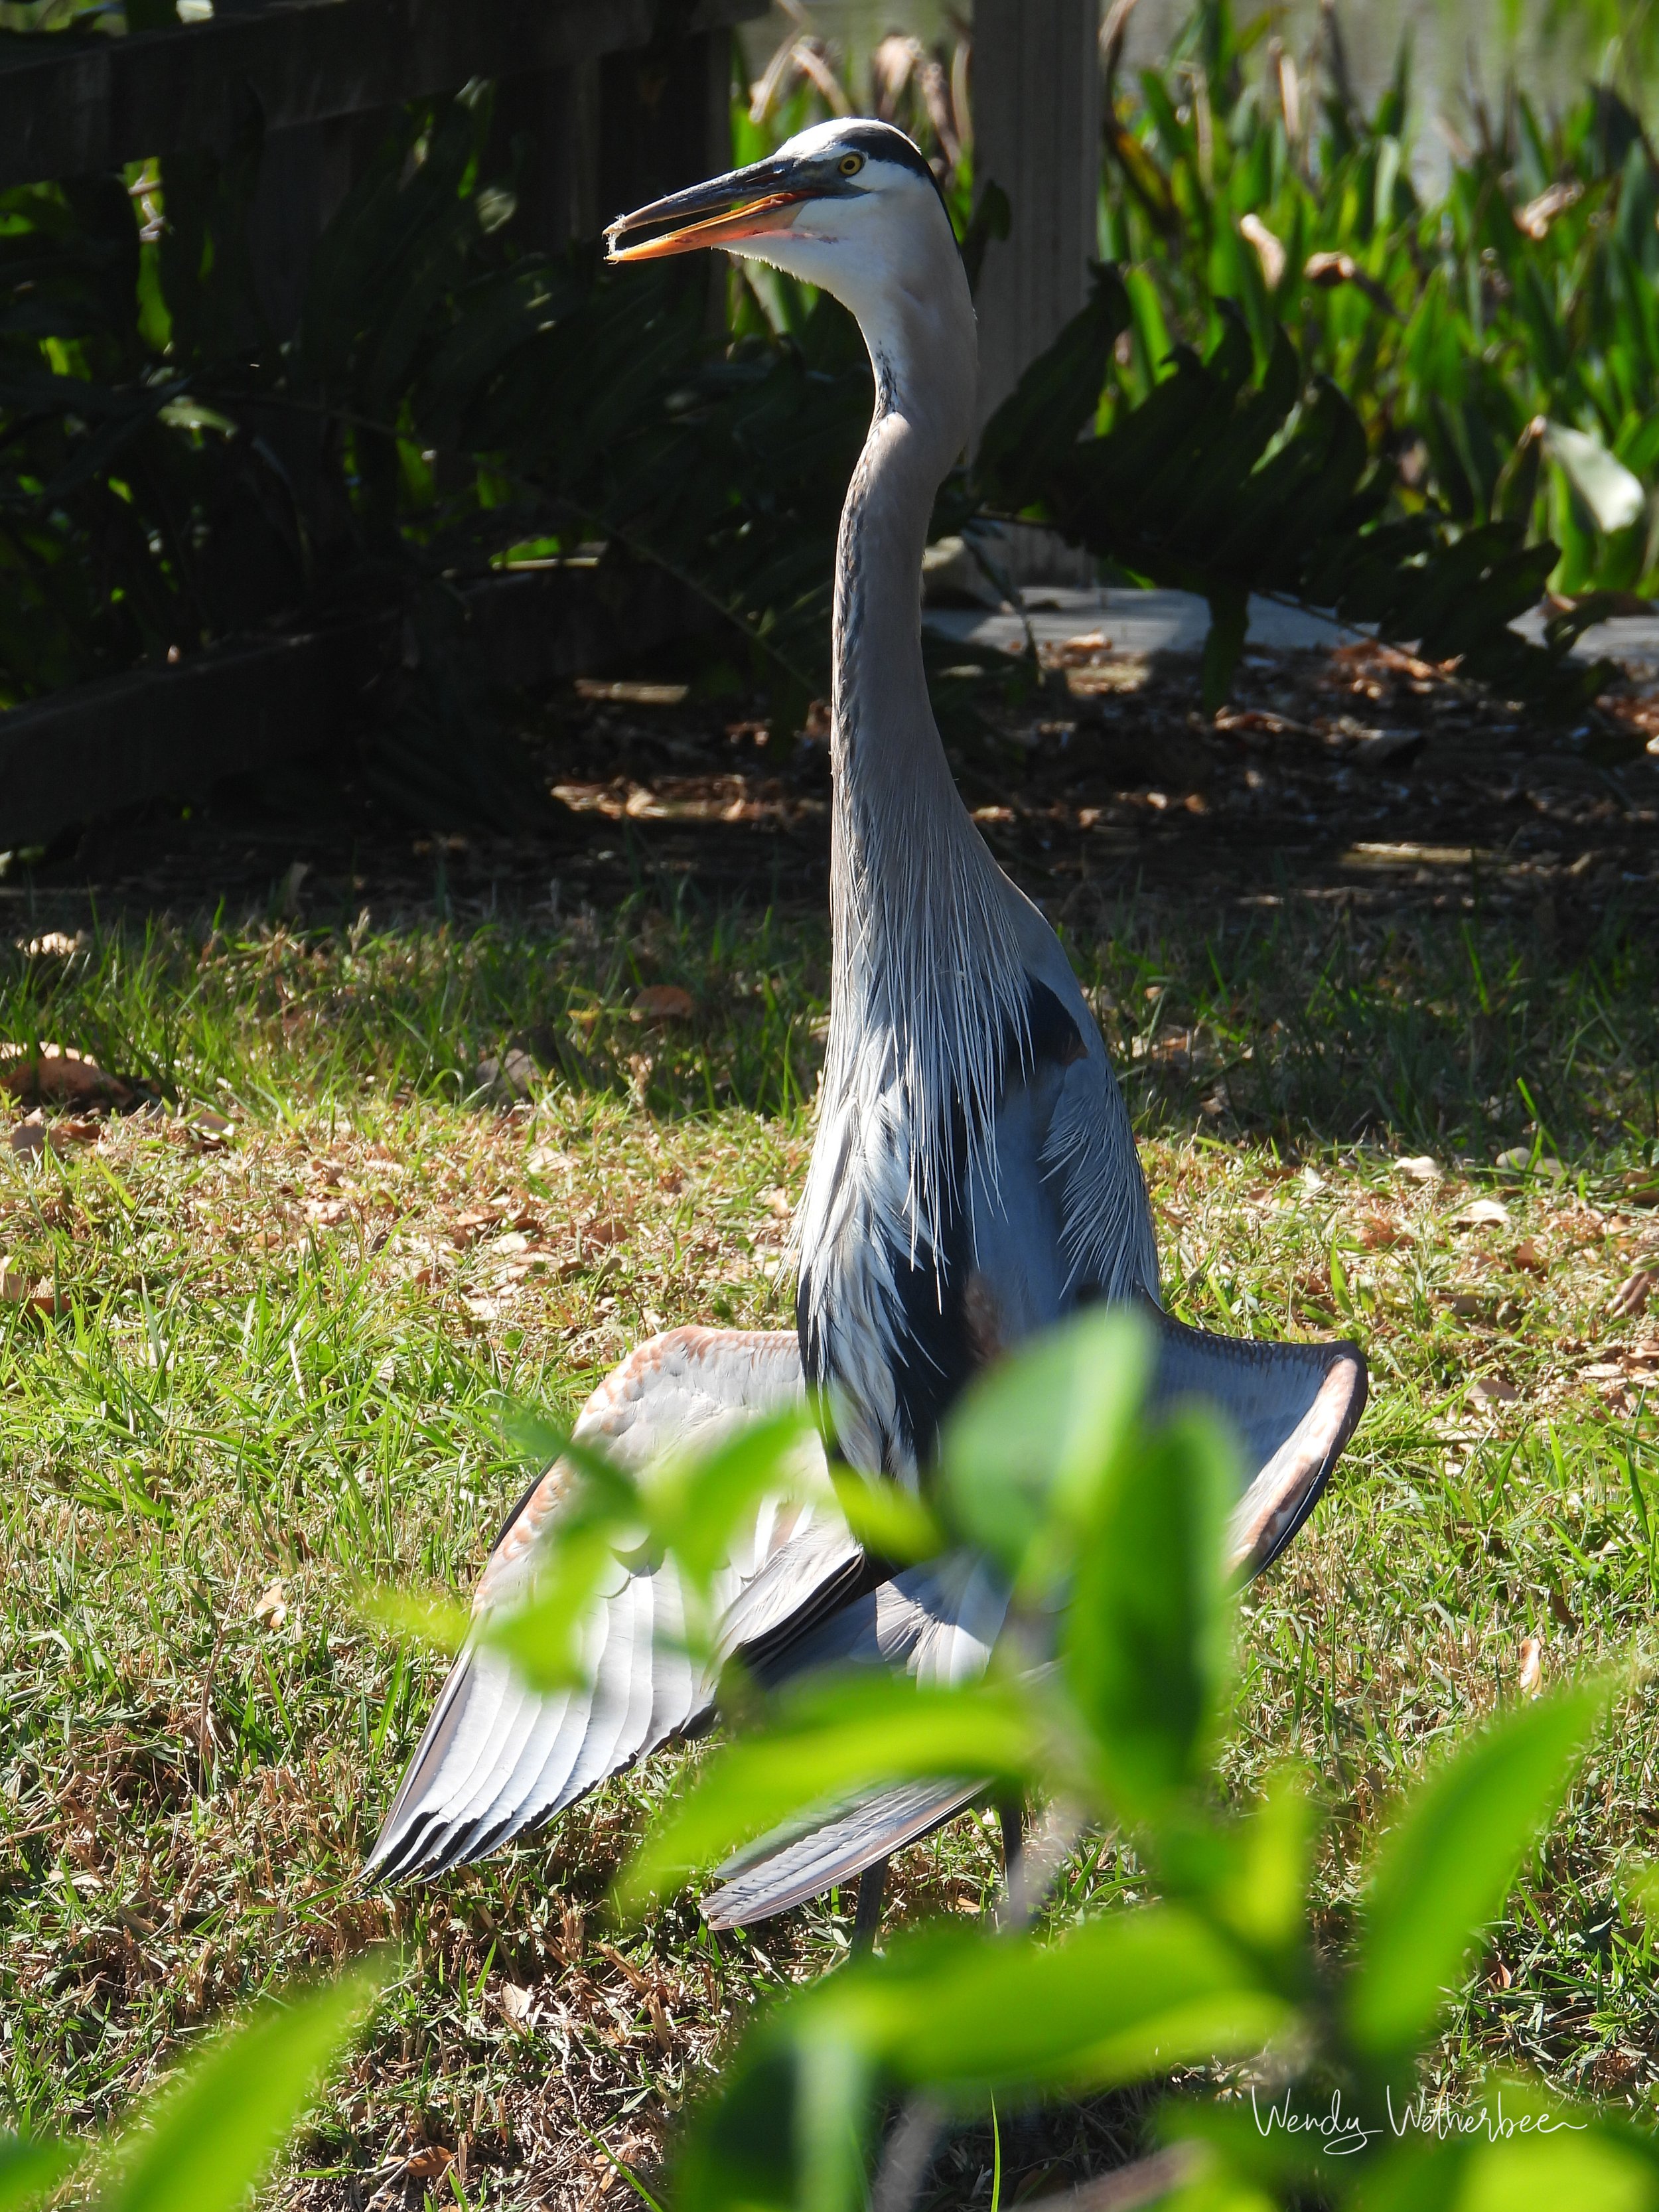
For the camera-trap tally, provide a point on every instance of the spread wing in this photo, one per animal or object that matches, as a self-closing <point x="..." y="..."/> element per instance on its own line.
<point x="1294" y="1406"/>
<point x="937" y="1623"/>
<point x="497" y="1757"/>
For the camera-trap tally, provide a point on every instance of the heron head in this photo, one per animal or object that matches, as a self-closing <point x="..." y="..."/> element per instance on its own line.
<point x="850" y="206"/>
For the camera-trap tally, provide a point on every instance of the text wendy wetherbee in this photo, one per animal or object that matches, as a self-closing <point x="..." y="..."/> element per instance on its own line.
<point x="1345" y="2134"/>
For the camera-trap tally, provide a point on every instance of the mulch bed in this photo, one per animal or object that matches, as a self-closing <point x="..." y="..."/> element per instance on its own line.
<point x="1359" y="774"/>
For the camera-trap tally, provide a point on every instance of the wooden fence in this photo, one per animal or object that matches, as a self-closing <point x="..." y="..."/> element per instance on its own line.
<point x="620" y="100"/>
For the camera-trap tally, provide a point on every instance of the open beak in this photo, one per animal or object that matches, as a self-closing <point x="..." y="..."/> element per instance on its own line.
<point x="745" y="204"/>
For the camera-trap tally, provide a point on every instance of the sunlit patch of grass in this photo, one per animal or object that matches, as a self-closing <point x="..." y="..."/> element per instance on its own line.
<point x="274" y="1351"/>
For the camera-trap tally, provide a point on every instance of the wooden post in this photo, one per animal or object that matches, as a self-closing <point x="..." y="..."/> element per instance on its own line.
<point x="556" y="114"/>
<point x="1036" y="133"/>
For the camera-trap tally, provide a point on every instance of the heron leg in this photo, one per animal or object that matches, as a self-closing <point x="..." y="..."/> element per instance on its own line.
<point x="867" y="1919"/>
<point x="1012" y="1813"/>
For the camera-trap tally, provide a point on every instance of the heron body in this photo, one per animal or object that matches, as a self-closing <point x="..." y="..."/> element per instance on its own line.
<point x="973" y="1178"/>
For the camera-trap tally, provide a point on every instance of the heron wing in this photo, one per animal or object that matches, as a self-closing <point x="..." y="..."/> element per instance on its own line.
<point x="937" y="1623"/>
<point x="498" y="1757"/>
<point x="1294" y="1407"/>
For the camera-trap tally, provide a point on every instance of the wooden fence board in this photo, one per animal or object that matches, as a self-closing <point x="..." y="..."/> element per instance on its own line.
<point x="70" y="105"/>
<point x="154" y="732"/>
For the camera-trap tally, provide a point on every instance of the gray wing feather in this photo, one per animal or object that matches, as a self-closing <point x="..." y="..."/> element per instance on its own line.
<point x="1295" y="1406"/>
<point x="497" y="1759"/>
<point x="760" y="1883"/>
<point x="938" y="1622"/>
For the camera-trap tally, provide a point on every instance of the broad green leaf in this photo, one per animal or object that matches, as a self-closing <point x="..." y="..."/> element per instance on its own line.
<point x="965" y="2016"/>
<point x="1613" y="494"/>
<point x="28" y="2170"/>
<point x="439" y="1623"/>
<point x="1024" y="1454"/>
<point x="749" y="2141"/>
<point x="544" y="1638"/>
<point x="1446" y="1867"/>
<point x="827" y="1743"/>
<point x="602" y="1486"/>
<point x="695" y="1503"/>
<point x="890" y="1521"/>
<point x="1517" y="2146"/>
<point x="1127" y="1995"/>
<point x="1147" y="1634"/>
<point x="211" y="2136"/>
<point x="1249" y="1875"/>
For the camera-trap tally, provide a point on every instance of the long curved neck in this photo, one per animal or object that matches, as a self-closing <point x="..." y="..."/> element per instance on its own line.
<point x="927" y="979"/>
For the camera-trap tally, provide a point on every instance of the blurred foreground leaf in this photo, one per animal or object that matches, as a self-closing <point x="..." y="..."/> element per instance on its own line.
<point x="211" y="2135"/>
<point x="1443" y="1871"/>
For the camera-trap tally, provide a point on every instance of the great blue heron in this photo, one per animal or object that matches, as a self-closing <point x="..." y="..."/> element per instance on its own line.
<point x="973" y="1178"/>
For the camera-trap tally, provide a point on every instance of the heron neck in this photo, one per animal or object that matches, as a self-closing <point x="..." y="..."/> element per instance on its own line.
<point x="895" y="798"/>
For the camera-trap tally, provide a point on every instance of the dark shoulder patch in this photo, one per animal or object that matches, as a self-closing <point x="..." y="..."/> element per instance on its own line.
<point x="1055" y="1034"/>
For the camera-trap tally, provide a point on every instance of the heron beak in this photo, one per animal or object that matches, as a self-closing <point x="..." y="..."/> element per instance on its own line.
<point x="745" y="204"/>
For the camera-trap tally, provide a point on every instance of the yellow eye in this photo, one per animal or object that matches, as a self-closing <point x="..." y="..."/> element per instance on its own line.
<point x="851" y="164"/>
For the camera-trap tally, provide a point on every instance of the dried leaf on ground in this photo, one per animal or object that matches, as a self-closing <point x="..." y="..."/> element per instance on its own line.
<point x="270" y="1606"/>
<point x="1485" y="1213"/>
<point x="664" y="1002"/>
<point x="1492" y="1390"/>
<point x="1632" y="1296"/>
<point x="1419" y="1168"/>
<point x="57" y="1075"/>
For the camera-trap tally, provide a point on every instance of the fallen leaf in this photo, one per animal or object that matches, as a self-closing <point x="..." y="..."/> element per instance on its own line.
<point x="1527" y="1255"/>
<point x="1312" y="1181"/>
<point x="270" y="1606"/>
<point x="1419" y="1168"/>
<point x="606" y="1228"/>
<point x="1632" y="1296"/>
<point x="1531" y="1680"/>
<point x="777" y="1204"/>
<point x="1519" y="1160"/>
<point x="515" y="1075"/>
<point x="14" y="1284"/>
<point x="1377" y="1235"/>
<point x="664" y="1002"/>
<point x="28" y="1139"/>
<point x="1492" y="1390"/>
<point x="1562" y="1611"/>
<point x="429" y="2163"/>
<point x="57" y="1075"/>
<point x="516" y="2002"/>
<point x="1642" y="1186"/>
<point x="1485" y="1213"/>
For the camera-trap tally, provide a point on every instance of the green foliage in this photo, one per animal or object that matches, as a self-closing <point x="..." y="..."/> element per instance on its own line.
<point x="1453" y="325"/>
<point x="208" y="2137"/>
<point x="1225" y="480"/>
<point x="1407" y="422"/>
<point x="1118" y="1517"/>
<point x="1447" y="1868"/>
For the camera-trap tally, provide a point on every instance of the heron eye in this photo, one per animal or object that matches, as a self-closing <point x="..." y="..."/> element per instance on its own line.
<point x="851" y="164"/>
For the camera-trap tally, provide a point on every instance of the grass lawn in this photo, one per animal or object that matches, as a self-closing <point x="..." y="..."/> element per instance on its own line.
<point x="256" y="1328"/>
